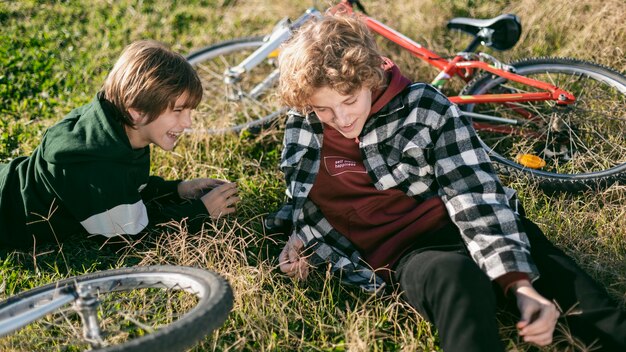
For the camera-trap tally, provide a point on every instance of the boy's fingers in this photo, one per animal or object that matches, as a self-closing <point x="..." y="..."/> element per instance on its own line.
<point x="289" y="268"/>
<point x="282" y="257"/>
<point x="228" y="211"/>
<point x="293" y="254"/>
<point x="537" y="325"/>
<point x="302" y="272"/>
<point x="291" y="262"/>
<point x="227" y="189"/>
<point x="285" y="259"/>
<point x="231" y="201"/>
<point x="298" y="270"/>
<point x="230" y="195"/>
<point x="303" y="268"/>
<point x="296" y="242"/>
<point x="542" y="339"/>
<point x="212" y="182"/>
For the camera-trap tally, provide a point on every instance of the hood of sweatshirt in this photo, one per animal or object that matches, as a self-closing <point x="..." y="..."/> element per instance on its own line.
<point x="90" y="132"/>
<point x="396" y="84"/>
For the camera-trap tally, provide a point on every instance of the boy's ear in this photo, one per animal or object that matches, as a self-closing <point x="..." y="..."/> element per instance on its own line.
<point x="137" y="116"/>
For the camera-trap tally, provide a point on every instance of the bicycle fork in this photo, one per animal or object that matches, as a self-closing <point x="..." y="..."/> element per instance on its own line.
<point x="282" y="31"/>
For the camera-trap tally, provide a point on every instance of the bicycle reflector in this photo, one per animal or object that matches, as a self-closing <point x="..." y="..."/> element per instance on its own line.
<point x="274" y="54"/>
<point x="530" y="161"/>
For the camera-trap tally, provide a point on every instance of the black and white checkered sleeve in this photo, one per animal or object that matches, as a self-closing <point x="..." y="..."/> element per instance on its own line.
<point x="476" y="200"/>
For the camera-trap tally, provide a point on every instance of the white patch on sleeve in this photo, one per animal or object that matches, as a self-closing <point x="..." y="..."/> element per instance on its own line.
<point x="141" y="187"/>
<point x="124" y="219"/>
<point x="469" y="157"/>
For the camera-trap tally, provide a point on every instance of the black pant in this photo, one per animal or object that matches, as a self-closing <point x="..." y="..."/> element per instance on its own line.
<point x="445" y="285"/>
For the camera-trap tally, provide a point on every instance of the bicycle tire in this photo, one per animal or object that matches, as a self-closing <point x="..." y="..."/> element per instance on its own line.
<point x="214" y="302"/>
<point x="582" y="145"/>
<point x="232" y="108"/>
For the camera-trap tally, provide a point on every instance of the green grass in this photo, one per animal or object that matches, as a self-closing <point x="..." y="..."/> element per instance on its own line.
<point x="55" y="55"/>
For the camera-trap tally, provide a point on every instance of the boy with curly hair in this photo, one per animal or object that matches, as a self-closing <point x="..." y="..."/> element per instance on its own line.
<point x="388" y="182"/>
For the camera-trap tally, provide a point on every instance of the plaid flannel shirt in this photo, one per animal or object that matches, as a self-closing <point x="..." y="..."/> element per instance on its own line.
<point x="419" y="143"/>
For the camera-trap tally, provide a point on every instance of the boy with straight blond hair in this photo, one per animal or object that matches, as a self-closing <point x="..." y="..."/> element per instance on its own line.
<point x="388" y="183"/>
<point x="91" y="172"/>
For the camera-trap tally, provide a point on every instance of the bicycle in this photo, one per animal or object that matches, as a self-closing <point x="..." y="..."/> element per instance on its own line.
<point x="151" y="308"/>
<point x="559" y="120"/>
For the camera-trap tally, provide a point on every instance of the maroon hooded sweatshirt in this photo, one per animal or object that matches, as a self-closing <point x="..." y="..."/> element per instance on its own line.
<point x="382" y="225"/>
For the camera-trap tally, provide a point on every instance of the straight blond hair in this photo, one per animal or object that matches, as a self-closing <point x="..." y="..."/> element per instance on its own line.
<point x="149" y="77"/>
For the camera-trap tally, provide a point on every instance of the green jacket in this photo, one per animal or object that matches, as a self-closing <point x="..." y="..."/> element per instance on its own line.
<point x="85" y="177"/>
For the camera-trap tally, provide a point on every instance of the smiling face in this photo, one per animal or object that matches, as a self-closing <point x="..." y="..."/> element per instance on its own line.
<point x="345" y="113"/>
<point x="164" y="130"/>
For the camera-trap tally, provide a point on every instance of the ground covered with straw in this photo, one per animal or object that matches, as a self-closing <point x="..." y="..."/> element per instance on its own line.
<point x="55" y="55"/>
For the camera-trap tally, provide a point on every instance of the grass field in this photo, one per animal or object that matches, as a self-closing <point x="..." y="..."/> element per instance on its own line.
<point x="54" y="55"/>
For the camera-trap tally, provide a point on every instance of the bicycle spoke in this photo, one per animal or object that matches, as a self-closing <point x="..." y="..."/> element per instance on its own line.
<point x="205" y="69"/>
<point x="225" y="104"/>
<point x="586" y="136"/>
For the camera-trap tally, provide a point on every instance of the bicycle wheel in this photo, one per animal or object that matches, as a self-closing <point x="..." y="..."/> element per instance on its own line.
<point x="566" y="148"/>
<point x="152" y="308"/>
<point x="247" y="104"/>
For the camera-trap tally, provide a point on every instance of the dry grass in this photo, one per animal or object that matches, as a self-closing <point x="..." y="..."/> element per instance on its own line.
<point x="272" y="313"/>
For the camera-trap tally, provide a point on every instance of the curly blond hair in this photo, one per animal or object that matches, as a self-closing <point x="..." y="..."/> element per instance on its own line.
<point x="338" y="52"/>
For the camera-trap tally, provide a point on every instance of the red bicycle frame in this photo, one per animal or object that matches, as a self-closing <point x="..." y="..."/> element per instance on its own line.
<point x="463" y="68"/>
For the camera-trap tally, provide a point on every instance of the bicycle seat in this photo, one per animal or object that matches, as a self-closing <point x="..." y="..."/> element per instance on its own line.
<point x="506" y="29"/>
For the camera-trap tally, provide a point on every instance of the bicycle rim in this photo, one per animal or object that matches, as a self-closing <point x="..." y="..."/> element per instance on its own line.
<point x="158" y="308"/>
<point x="571" y="147"/>
<point x="249" y="104"/>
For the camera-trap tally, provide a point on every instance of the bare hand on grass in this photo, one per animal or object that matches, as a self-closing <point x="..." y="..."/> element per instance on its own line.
<point x="221" y="200"/>
<point x="538" y="315"/>
<point x="291" y="260"/>
<point x="196" y="188"/>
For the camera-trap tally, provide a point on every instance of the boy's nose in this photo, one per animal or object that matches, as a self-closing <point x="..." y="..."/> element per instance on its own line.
<point x="341" y="118"/>
<point x="186" y="119"/>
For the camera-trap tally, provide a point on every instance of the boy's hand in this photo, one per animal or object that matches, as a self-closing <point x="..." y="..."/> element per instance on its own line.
<point x="538" y="315"/>
<point x="221" y="200"/>
<point x="196" y="188"/>
<point x="290" y="259"/>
